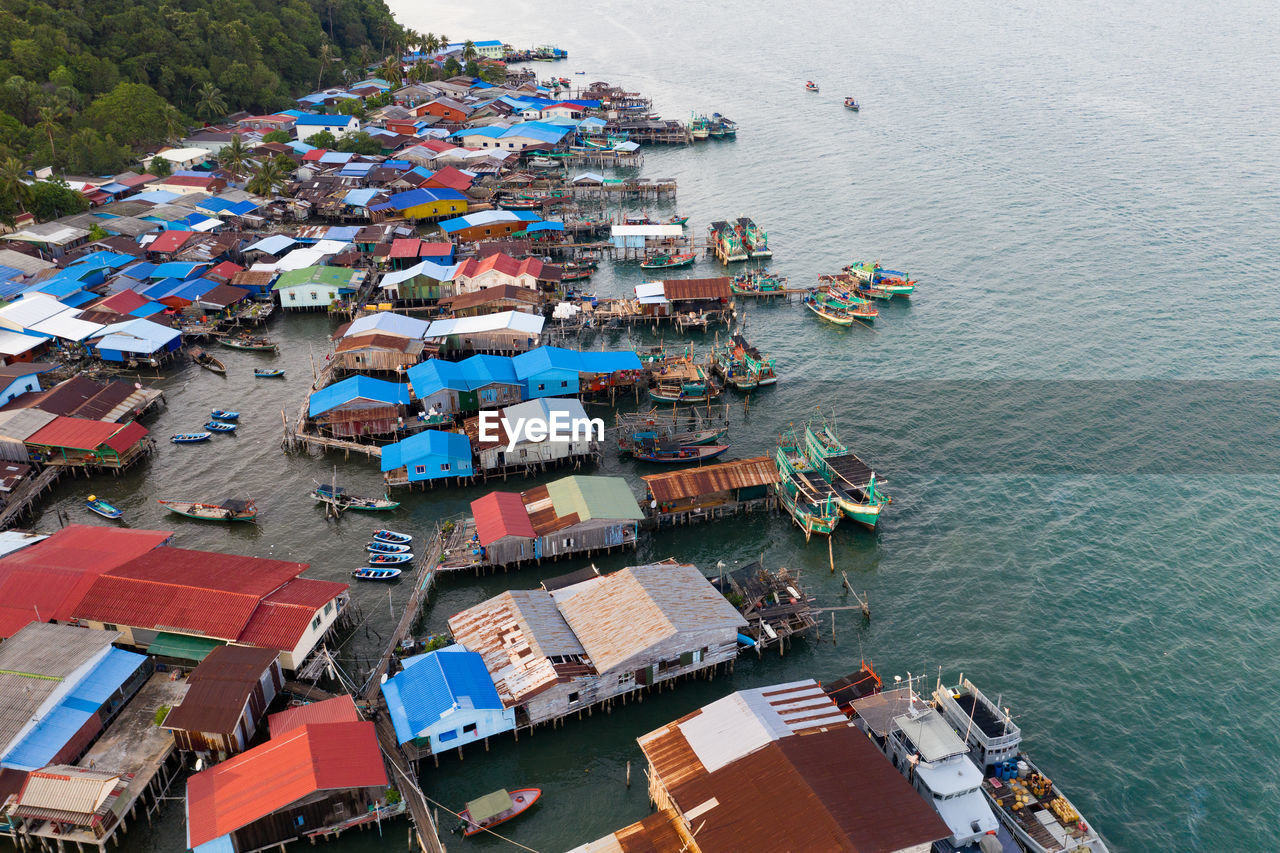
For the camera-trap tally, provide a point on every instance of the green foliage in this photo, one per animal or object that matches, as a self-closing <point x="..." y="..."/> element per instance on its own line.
<point x="359" y="143"/>
<point x="323" y="139"/>
<point x="200" y="58"/>
<point x="160" y="167"/>
<point x="352" y="107"/>
<point x="52" y="199"/>
<point x="97" y="232"/>
<point x="451" y="68"/>
<point x="161" y="713"/>
<point x="277" y="136"/>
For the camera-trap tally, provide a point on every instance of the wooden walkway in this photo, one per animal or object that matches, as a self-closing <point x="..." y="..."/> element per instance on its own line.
<point x="423" y="580"/>
<point x="28" y="494"/>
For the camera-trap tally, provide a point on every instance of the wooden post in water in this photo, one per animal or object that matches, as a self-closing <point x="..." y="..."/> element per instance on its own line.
<point x="831" y="554"/>
<point x="628" y="773"/>
<point x="833" y="628"/>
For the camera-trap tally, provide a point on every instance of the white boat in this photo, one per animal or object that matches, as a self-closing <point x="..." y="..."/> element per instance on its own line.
<point x="934" y="760"/>
<point x="1025" y="799"/>
<point x="384" y="535"/>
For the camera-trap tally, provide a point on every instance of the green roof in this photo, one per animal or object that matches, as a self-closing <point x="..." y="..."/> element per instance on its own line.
<point x="332" y="276"/>
<point x="182" y="647"/>
<point x="490" y="805"/>
<point x="594" y="497"/>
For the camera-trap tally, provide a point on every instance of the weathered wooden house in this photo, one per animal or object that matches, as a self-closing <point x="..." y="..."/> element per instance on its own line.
<point x="230" y="692"/>
<point x="490" y="300"/>
<point x="505" y="451"/>
<point x="503" y="333"/>
<point x="710" y="491"/>
<point x="375" y="352"/>
<point x="359" y="406"/>
<point x="553" y="653"/>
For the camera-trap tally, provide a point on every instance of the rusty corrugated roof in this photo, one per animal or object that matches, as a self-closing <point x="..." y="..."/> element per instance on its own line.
<point x="376" y="340"/>
<point x="696" y="288"/>
<point x="709" y="479"/>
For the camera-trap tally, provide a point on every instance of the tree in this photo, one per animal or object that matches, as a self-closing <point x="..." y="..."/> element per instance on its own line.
<point x="472" y="69"/>
<point x="160" y="167"/>
<point x="326" y="58"/>
<point x="234" y="156"/>
<point x="133" y="114"/>
<point x="430" y="44"/>
<point x="451" y="68"/>
<point x="97" y="232"/>
<point x="13" y="183"/>
<point x="54" y="199"/>
<point x="391" y="70"/>
<point x="269" y="178"/>
<point x="49" y="118"/>
<point x="323" y="139"/>
<point x="359" y="143"/>
<point x="352" y="107"/>
<point x="211" y="103"/>
<point x="493" y="73"/>
<point x="469" y="51"/>
<point x="444" y="42"/>
<point x="277" y="136"/>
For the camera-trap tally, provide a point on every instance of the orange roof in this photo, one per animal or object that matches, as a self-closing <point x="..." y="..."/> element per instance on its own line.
<point x="500" y="514"/>
<point x="339" y="709"/>
<point x="504" y="264"/>
<point x="85" y="434"/>
<point x="311" y="758"/>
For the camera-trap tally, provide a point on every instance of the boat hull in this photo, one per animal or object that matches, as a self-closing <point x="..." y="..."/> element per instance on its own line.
<point x="207" y="512"/>
<point x="376" y="574"/>
<point x="104" y="509"/>
<point x="522" y="800"/>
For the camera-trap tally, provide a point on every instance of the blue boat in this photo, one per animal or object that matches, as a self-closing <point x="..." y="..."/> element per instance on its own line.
<point x="191" y="437"/>
<point x="219" y="426"/>
<point x="377" y="547"/>
<point x="102" y="507"/>
<point x="384" y="535"/>
<point x="376" y="574"/>
<point x="224" y="415"/>
<point x="264" y="373"/>
<point x="389" y="559"/>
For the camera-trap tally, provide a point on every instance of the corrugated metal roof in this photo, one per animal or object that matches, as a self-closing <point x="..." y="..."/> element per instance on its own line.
<point x="313" y="757"/>
<point x="514" y="321"/>
<point x="21" y="424"/>
<point x="86" y="434"/>
<point x="617" y="617"/>
<point x="486" y="295"/>
<point x="500" y="514"/>
<point x="220" y="687"/>
<point x="339" y="709"/>
<point x="70" y="789"/>
<point x="358" y="387"/>
<point x="434" y="684"/>
<point x="591" y="497"/>
<point x="697" y="288"/>
<point x="709" y="479"/>
<point x="389" y="323"/>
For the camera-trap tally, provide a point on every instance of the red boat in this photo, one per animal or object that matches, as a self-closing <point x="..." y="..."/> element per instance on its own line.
<point x="498" y="807"/>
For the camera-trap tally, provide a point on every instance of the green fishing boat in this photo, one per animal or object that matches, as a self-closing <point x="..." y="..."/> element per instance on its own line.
<point x="853" y="482"/>
<point x="669" y="262"/>
<point x="844" y="297"/>
<point x="893" y="282"/>
<point x="804" y="494"/>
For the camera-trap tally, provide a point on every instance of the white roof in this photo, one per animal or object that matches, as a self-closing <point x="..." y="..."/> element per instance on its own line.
<point x="29" y="310"/>
<point x="647" y="230"/>
<point x="23" y="262"/>
<point x="207" y="225"/>
<point x="273" y="245"/>
<point x="15" y="343"/>
<point x="182" y="155"/>
<point x="16" y="540"/>
<point x="541" y="409"/>
<point x="331" y="247"/>
<point x="298" y="259"/>
<point x="516" y="321"/>
<point x="933" y="737"/>
<point x="651" y="293"/>
<point x="427" y="268"/>
<point x="68" y="326"/>
<point x="565" y="310"/>
<point x="54" y="233"/>
<point x="386" y="321"/>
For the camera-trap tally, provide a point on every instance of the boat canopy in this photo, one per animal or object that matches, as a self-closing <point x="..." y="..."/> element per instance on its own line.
<point x="489" y="806"/>
<point x="235" y="504"/>
<point x="932" y="736"/>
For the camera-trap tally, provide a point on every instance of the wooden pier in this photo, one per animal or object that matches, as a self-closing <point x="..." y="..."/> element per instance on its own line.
<point x="24" y="497"/>
<point x="773" y="603"/>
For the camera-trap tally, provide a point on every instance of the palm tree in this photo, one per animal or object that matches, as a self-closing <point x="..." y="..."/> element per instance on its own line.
<point x="211" y="104"/>
<point x="13" y="182"/>
<point x="174" y="124"/>
<point x="469" y="51"/>
<point x="234" y="156"/>
<point x="326" y="57"/>
<point x="49" y="123"/>
<point x="391" y="70"/>
<point x="444" y="42"/>
<point x="430" y="44"/>
<point x="269" y="178"/>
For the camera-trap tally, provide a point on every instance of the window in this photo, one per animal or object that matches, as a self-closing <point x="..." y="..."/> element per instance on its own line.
<point x="419" y="469"/>
<point x="452" y="734"/>
<point x="469" y="729"/>
<point x="573" y="697"/>
<point x="564" y="384"/>
<point x="293" y="297"/>
<point x="314" y="295"/>
<point x="542" y="386"/>
<point x="107" y="626"/>
<point x="315" y="623"/>
<point x="328" y="608"/>
<point x="444" y="466"/>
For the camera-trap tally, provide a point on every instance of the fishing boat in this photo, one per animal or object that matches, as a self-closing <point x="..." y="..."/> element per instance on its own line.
<point x="391" y="536"/>
<point x="249" y="342"/>
<point x="848" y="282"/>
<point x="220" y="426"/>
<point x="728" y="126"/>
<point x="811" y="86"/>
<point x="1024" y="799"/>
<point x="895" y="282"/>
<point x="670" y="454"/>
<point x="102" y="507"/>
<point x="857" y="685"/>
<point x="812" y="512"/>
<point x="852" y="480"/>
<point x="207" y="361"/>
<point x="844" y="297"/>
<point x="683" y="383"/>
<point x="577" y="271"/>
<point x="264" y="373"/>
<point x="671" y="261"/>
<point x="699" y="127"/>
<point x="389" y="559"/>
<point x="678" y="220"/>
<point x="230" y="509"/>
<point x="338" y="496"/>
<point x="224" y="415"/>
<point x="754" y="238"/>
<point x="376" y="547"/>
<point x="851" y="104"/>
<point x="827" y="311"/>
<point x="190" y="437"/>
<point x="744" y="366"/>
<point x="520" y="203"/>
<point x="370" y="574"/>
<point x="733" y="370"/>
<point x="499" y="807"/>
<point x="758" y="283"/>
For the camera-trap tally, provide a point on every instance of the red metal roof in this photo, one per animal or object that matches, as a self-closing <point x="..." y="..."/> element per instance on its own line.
<point x="122" y="302"/>
<point x="434" y="250"/>
<point x="47" y="580"/>
<point x="84" y="434"/>
<point x="315" y="154"/>
<point x="451" y="178"/>
<point x="405" y="247"/>
<point x="224" y="271"/>
<point x="256" y="576"/>
<point x="500" y="514"/>
<point x="214" y="613"/>
<point x="504" y="264"/>
<point x="169" y="241"/>
<point x="283" y="617"/>
<point x="307" y="592"/>
<point x="267" y="778"/>
<point x="339" y="709"/>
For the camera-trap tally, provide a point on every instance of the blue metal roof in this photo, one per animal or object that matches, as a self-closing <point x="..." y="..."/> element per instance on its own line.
<point x="221" y="205"/>
<point x="330" y="157"/>
<point x="424" y="445"/>
<point x="413" y="198"/>
<point x="356" y="388"/>
<point x="325" y="121"/>
<point x="359" y="198"/>
<point x="481" y="370"/>
<point x="345" y="233"/>
<point x="177" y="269"/>
<point x="488" y="217"/>
<point x="434" y="684"/>
<point x="428" y="377"/>
<point x="492" y="131"/>
<point x="112" y="260"/>
<point x="546" y="358"/>
<point x="53" y="732"/>
<point x="138" y="335"/>
<point x="140" y="270"/>
<point x="77" y="300"/>
<point x="58" y="288"/>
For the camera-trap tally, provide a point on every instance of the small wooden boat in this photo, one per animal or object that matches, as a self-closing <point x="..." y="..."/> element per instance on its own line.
<point x="678" y="220"/>
<point x="857" y="306"/>
<point x="263" y="373"/>
<point x="671" y="455"/>
<point x="577" y="271"/>
<point x="386" y="548"/>
<point x="811" y="86"/>
<point x="830" y="313"/>
<point x="249" y="342"/>
<point x="851" y="104"/>
<point x="368" y="574"/>
<point x="207" y="361"/>
<point x="392" y="537"/>
<point x="102" y="507"/>
<point x="230" y="509"/>
<point x="666" y="262"/>
<point x="339" y="497"/>
<point x="389" y="559"/>
<point x="220" y="426"/>
<point x="498" y="807"/>
<point x="191" y="437"/>
<point x="224" y="415"/>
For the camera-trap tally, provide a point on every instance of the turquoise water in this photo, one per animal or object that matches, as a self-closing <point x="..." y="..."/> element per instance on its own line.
<point x="1085" y="193"/>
